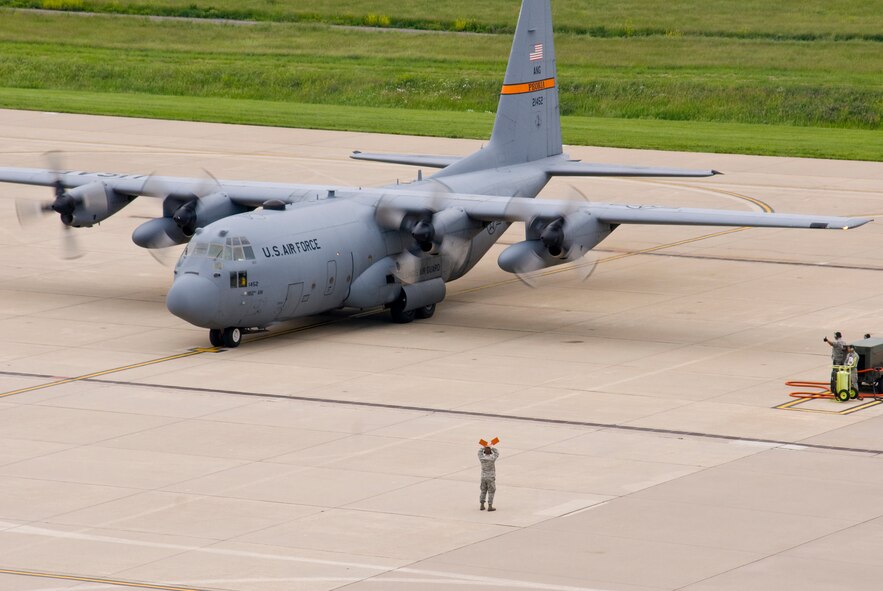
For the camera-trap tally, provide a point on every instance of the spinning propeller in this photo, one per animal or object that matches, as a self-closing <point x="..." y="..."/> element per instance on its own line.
<point x="555" y="237"/>
<point x="433" y="231"/>
<point x="180" y="215"/>
<point x="64" y="204"/>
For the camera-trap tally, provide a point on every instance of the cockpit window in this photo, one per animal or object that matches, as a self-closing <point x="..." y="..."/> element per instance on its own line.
<point x="232" y="249"/>
<point x="215" y="250"/>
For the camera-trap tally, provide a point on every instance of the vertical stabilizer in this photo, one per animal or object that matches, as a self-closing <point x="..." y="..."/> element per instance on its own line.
<point x="528" y="125"/>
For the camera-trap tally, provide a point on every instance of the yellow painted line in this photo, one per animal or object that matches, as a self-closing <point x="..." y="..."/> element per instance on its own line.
<point x="791" y="403"/>
<point x="860" y="407"/>
<point x="528" y="86"/>
<point x="115" y="582"/>
<point x="270" y="335"/>
<point x="191" y="353"/>
<point x="815" y="410"/>
<point x="762" y="205"/>
<point x="794" y="403"/>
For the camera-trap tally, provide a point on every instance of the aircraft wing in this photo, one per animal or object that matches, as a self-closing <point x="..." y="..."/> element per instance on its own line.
<point x="479" y="207"/>
<point x="577" y="168"/>
<point x="412" y="159"/>
<point x="625" y="214"/>
<point x="517" y="209"/>
<point x="555" y="166"/>
<point x="124" y="183"/>
<point x="248" y="193"/>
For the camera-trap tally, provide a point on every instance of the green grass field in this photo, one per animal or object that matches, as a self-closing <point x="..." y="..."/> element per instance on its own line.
<point x="785" y="19"/>
<point x="689" y="136"/>
<point x="821" y="97"/>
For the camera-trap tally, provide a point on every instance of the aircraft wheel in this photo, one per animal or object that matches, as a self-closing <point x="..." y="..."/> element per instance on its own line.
<point x="401" y="317"/>
<point x="232" y="337"/>
<point x="216" y="337"/>
<point x="842" y="395"/>
<point x="425" y="312"/>
<point x="396" y="310"/>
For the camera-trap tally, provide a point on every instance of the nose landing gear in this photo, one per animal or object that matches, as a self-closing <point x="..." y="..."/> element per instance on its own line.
<point x="227" y="337"/>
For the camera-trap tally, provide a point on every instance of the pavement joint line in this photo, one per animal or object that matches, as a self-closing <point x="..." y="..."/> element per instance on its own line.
<point x="703" y="257"/>
<point x="479" y="414"/>
<point x="192" y="352"/>
<point x="100" y="580"/>
<point x="89" y="376"/>
<point x="443" y="577"/>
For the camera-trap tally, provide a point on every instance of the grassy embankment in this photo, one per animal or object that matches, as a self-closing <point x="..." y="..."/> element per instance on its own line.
<point x="785" y="19"/>
<point x="677" y="91"/>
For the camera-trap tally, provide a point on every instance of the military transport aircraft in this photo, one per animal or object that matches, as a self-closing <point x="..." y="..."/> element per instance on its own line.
<point x="261" y="253"/>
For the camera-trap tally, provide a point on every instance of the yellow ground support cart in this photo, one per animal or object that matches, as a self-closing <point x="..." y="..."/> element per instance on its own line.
<point x="843" y="388"/>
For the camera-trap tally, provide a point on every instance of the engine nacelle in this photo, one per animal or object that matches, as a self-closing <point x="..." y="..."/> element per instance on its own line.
<point x="376" y="286"/>
<point x="181" y="219"/>
<point x="159" y="233"/>
<point x="95" y="203"/>
<point x="561" y="241"/>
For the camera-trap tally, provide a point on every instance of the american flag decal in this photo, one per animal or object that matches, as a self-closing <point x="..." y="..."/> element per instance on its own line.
<point x="537" y="53"/>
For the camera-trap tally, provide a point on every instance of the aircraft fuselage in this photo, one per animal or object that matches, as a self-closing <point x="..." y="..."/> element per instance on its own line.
<point x="267" y="266"/>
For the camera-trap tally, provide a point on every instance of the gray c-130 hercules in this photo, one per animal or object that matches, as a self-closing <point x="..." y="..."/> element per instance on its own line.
<point x="261" y="253"/>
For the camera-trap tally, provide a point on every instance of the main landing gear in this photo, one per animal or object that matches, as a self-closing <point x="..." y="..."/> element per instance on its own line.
<point x="227" y="337"/>
<point x="400" y="316"/>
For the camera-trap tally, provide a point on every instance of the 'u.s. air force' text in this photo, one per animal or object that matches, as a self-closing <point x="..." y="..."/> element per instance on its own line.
<point x="291" y="248"/>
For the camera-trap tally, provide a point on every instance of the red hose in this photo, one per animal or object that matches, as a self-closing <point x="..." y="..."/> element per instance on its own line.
<point x="824" y="389"/>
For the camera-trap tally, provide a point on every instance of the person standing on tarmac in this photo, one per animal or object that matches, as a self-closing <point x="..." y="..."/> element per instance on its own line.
<point x="487" y="456"/>
<point x="838" y="356"/>
<point x="851" y="362"/>
<point x="838" y="349"/>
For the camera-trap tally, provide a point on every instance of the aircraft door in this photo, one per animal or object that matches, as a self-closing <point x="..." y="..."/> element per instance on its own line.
<point x="338" y="277"/>
<point x="292" y="300"/>
<point x="332" y="277"/>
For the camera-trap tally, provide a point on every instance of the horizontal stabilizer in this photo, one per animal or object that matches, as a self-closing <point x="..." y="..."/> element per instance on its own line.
<point x="412" y="159"/>
<point x="575" y="168"/>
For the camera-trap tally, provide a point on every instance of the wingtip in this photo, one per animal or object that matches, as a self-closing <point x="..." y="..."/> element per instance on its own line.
<point x="851" y="223"/>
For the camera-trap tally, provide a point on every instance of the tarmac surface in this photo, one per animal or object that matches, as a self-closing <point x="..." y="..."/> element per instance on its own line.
<point x="641" y="443"/>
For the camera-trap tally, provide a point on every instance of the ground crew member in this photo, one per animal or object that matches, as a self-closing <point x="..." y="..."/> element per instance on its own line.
<point x="851" y="362"/>
<point x="838" y="355"/>
<point x="838" y="349"/>
<point x="487" y="456"/>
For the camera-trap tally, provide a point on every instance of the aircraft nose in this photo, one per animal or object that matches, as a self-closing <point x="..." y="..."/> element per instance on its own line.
<point x="193" y="298"/>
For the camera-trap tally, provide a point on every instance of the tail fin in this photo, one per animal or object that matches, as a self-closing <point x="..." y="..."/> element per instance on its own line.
<point x="528" y="125"/>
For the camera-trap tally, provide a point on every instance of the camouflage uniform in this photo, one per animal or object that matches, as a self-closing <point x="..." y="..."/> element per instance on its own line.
<point x="838" y="357"/>
<point x="851" y="361"/>
<point x="488" y="475"/>
<point x="838" y="352"/>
